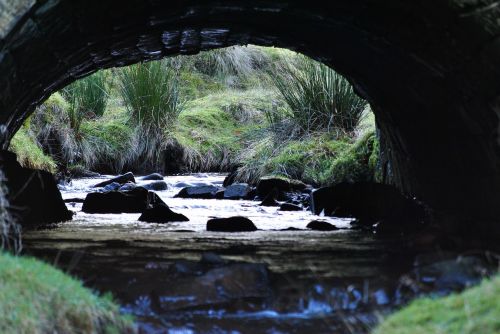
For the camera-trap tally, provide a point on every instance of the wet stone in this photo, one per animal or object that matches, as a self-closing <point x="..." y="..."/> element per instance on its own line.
<point x="202" y="192"/>
<point x="156" y="185"/>
<point x="121" y="179"/>
<point x="237" y="191"/>
<point x="161" y="214"/>
<point x="111" y="187"/>
<point x="318" y="225"/>
<point x="133" y="201"/>
<point x="231" y="224"/>
<point x="127" y="186"/>
<point x="153" y="177"/>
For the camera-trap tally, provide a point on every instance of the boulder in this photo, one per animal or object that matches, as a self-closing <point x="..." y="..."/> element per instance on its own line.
<point x="231" y="224"/>
<point x="161" y="214"/>
<point x="133" y="201"/>
<point x="33" y="194"/>
<point x="319" y="225"/>
<point x="153" y="177"/>
<point x="121" y="179"/>
<point x="203" y="192"/>
<point x="368" y="202"/>
<point x="267" y="184"/>
<point x="290" y="207"/>
<point x="156" y="185"/>
<point x="237" y="191"/>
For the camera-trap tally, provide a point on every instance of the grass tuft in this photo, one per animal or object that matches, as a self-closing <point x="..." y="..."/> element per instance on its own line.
<point x="318" y="97"/>
<point x="475" y="310"/>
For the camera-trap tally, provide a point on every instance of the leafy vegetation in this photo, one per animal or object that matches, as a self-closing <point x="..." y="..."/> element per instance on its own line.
<point x="37" y="298"/>
<point x="474" y="310"/>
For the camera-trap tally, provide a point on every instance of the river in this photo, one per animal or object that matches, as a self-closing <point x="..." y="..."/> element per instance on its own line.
<point x="180" y="278"/>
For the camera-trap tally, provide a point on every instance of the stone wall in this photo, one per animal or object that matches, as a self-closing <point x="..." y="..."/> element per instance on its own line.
<point x="429" y="68"/>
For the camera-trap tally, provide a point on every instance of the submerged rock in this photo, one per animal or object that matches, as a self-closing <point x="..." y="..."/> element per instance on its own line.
<point x="319" y="225"/>
<point x="370" y="203"/>
<point x="121" y="179"/>
<point x="231" y="224"/>
<point x="161" y="214"/>
<point x="203" y="192"/>
<point x="213" y="282"/>
<point x="237" y="191"/>
<point x="153" y="177"/>
<point x="156" y="185"/>
<point x="290" y="207"/>
<point x="133" y="201"/>
<point x="33" y="194"/>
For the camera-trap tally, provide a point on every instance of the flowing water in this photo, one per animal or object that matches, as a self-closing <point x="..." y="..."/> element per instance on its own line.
<point x="179" y="278"/>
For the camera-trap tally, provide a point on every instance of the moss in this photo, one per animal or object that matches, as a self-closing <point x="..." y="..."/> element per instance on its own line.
<point x="307" y="159"/>
<point x="36" y="298"/>
<point x="353" y="164"/>
<point x="29" y="154"/>
<point x="320" y="159"/>
<point x="475" y="310"/>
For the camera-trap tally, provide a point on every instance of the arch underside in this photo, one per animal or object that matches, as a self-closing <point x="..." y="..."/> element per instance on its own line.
<point x="430" y="71"/>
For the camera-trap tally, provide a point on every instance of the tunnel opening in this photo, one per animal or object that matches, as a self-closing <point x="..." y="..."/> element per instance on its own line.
<point x="428" y="71"/>
<point x="416" y="77"/>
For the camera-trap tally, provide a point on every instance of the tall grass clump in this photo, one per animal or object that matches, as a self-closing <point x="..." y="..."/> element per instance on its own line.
<point x="318" y="97"/>
<point x="150" y="93"/>
<point x="87" y="98"/>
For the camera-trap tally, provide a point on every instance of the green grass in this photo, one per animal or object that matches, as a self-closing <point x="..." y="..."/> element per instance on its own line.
<point x="37" y="298"/>
<point x="214" y="128"/>
<point x="29" y="154"/>
<point x="476" y="310"/>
